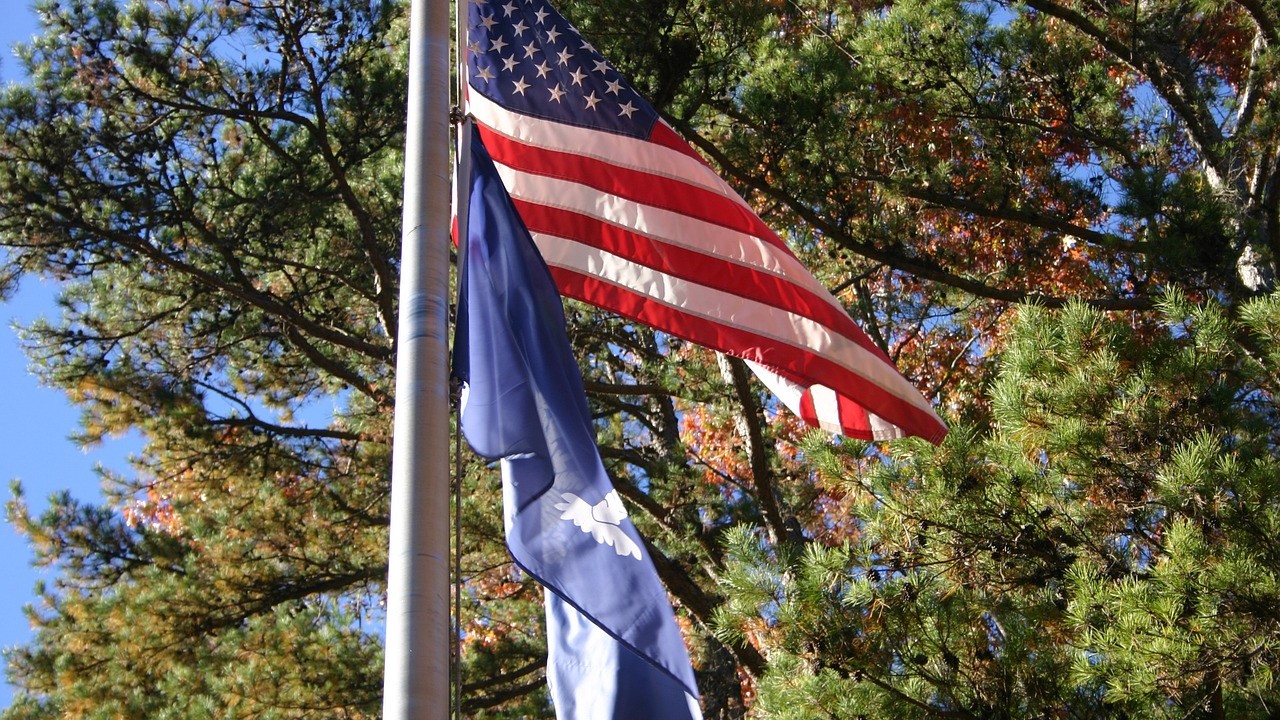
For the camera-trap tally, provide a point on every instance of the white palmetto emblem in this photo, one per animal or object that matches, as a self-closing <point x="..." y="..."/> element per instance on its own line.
<point x="603" y="520"/>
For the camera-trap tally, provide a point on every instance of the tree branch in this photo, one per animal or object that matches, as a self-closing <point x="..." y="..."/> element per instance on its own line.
<point x="748" y="425"/>
<point x="1257" y="10"/>
<point x="702" y="606"/>
<point x="536" y="665"/>
<point x="896" y="260"/>
<point x="1172" y="84"/>
<point x="383" y="274"/>
<point x="603" y="388"/>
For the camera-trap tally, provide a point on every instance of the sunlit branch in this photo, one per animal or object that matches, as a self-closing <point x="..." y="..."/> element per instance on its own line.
<point x="1174" y="85"/>
<point x="702" y="606"/>
<point x="914" y="266"/>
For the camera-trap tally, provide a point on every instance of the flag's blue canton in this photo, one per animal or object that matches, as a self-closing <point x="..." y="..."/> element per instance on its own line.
<point x="527" y="58"/>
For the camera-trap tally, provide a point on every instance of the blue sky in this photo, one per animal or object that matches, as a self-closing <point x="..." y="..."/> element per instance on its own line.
<point x="33" y="431"/>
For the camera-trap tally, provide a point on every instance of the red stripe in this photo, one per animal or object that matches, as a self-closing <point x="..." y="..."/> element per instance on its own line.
<point x="805" y="368"/>
<point x="664" y="136"/>
<point x="851" y="418"/>
<point x="645" y="188"/>
<point x="707" y="270"/>
<point x="808" y="412"/>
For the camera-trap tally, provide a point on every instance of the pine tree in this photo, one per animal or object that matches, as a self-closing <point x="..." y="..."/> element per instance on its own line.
<point x="1104" y="548"/>
<point x="216" y="185"/>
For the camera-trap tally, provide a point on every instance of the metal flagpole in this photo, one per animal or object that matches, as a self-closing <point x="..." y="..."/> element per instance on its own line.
<point x="461" y="194"/>
<point x="416" y="676"/>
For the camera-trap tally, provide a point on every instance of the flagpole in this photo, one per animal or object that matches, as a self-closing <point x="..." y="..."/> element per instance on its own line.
<point x="416" y="674"/>
<point x="461" y="203"/>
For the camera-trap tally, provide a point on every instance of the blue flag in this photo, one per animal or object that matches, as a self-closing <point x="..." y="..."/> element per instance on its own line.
<point x="614" y="650"/>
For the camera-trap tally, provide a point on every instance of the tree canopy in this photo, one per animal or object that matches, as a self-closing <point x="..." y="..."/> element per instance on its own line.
<point x="1061" y="218"/>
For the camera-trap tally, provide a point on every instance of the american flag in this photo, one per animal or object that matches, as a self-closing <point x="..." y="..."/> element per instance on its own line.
<point x="630" y="218"/>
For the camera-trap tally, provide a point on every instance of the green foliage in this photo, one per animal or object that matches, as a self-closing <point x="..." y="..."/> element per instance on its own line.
<point x="206" y="179"/>
<point x="1105" y="549"/>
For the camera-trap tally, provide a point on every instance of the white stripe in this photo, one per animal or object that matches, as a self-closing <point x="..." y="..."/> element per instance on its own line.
<point x="791" y="394"/>
<point x="715" y="241"/>
<point x="620" y="150"/>
<point x="735" y="311"/>
<point x="825" y="404"/>
<point x="882" y="429"/>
